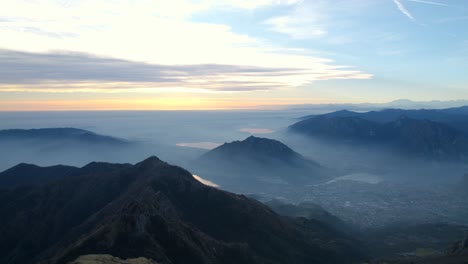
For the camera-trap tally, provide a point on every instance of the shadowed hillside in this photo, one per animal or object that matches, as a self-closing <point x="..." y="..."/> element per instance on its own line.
<point x="157" y="211"/>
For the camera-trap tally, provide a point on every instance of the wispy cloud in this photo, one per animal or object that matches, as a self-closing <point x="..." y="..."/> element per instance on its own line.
<point x="296" y="27"/>
<point x="403" y="9"/>
<point x="428" y="2"/>
<point x="172" y="55"/>
<point x="64" y="72"/>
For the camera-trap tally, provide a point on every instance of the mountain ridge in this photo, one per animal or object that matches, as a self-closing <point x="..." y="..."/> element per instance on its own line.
<point x="157" y="211"/>
<point x="420" y="137"/>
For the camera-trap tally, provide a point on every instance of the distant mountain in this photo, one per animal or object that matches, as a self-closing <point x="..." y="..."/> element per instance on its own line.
<point x="155" y="212"/>
<point x="254" y="149"/>
<point x="400" y="104"/>
<point x="256" y="160"/>
<point x="58" y="134"/>
<point x="342" y="127"/>
<point x="72" y="146"/>
<point x="454" y="117"/>
<point x="425" y="138"/>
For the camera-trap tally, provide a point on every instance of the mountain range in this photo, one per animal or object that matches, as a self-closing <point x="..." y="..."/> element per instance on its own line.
<point x="454" y="117"/>
<point x="400" y="104"/>
<point x="154" y="212"/>
<point x="413" y="134"/>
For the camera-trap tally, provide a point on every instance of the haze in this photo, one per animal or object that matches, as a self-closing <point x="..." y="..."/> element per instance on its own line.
<point x="224" y="132"/>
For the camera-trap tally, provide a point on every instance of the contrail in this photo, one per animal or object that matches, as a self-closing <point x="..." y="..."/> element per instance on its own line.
<point x="402" y="8"/>
<point x="428" y="2"/>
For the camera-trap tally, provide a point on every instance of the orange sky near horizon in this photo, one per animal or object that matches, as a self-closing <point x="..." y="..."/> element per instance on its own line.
<point x="142" y="104"/>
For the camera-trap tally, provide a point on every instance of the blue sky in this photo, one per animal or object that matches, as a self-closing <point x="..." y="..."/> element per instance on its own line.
<point x="229" y="54"/>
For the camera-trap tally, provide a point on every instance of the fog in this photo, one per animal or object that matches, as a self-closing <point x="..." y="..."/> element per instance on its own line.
<point x="365" y="185"/>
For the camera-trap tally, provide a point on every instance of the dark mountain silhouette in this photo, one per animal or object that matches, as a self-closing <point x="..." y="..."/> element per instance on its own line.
<point x="159" y="212"/>
<point x="424" y="138"/>
<point x="258" y="160"/>
<point x="29" y="174"/>
<point x="59" y="134"/>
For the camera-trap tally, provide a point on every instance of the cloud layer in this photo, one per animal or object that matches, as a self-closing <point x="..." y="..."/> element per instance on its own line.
<point x="26" y="71"/>
<point x="147" y="46"/>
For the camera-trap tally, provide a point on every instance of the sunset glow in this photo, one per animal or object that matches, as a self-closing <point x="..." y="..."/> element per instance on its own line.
<point x="184" y="55"/>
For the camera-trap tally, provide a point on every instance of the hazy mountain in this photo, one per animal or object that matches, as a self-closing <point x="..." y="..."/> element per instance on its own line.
<point x="254" y="149"/>
<point x="427" y="138"/>
<point x="258" y="160"/>
<point x="71" y="146"/>
<point x="158" y="212"/>
<point x="454" y="117"/>
<point x="59" y="134"/>
<point x="400" y="104"/>
<point x="419" y="137"/>
<point x="341" y="127"/>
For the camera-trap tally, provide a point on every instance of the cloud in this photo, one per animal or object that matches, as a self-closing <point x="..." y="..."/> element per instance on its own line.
<point x="249" y="4"/>
<point x="403" y="9"/>
<point x="65" y="71"/>
<point x="201" y="145"/>
<point x="320" y="20"/>
<point x="154" y="45"/>
<point x="205" y="182"/>
<point x="252" y="130"/>
<point x="304" y="21"/>
<point x="296" y="26"/>
<point x="159" y="32"/>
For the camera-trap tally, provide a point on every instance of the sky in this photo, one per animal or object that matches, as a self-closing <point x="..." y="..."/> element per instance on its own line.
<point x="227" y="54"/>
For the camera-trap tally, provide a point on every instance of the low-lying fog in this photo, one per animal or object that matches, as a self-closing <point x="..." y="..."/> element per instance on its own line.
<point x="371" y="183"/>
<point x="176" y="136"/>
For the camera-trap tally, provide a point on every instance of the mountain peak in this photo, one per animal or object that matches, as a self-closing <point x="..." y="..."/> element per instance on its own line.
<point x="150" y="161"/>
<point x="252" y="138"/>
<point x="259" y="147"/>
